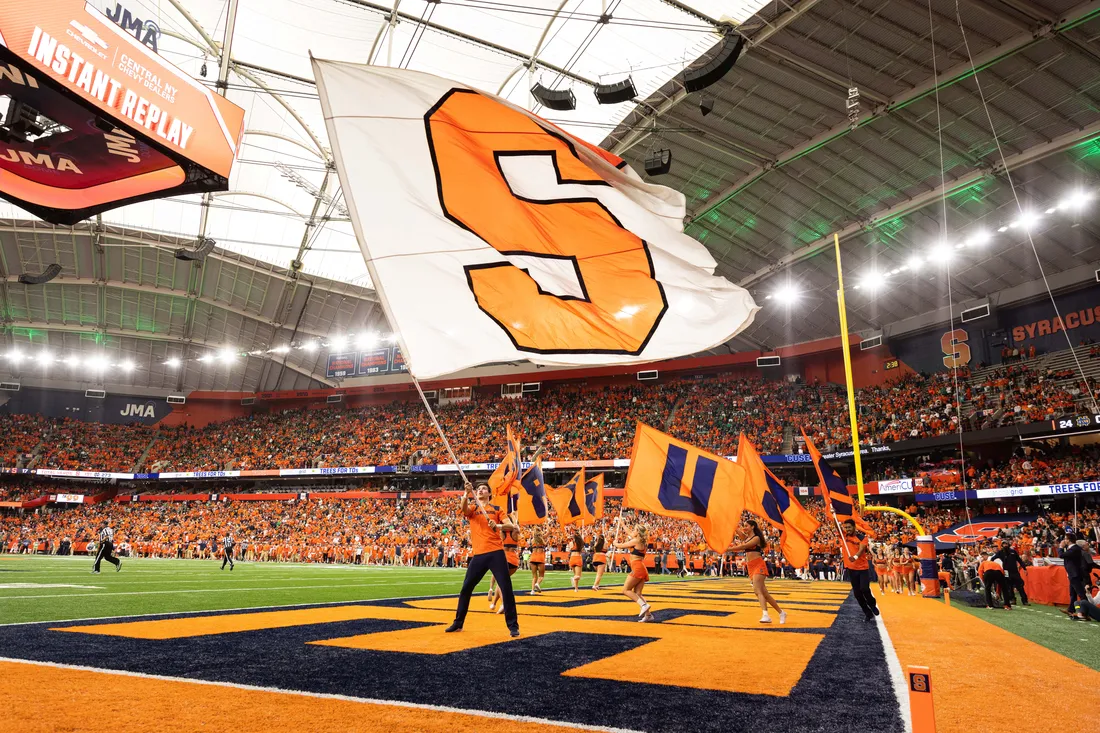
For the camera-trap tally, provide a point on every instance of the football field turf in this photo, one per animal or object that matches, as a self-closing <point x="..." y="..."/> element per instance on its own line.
<point x="178" y="646"/>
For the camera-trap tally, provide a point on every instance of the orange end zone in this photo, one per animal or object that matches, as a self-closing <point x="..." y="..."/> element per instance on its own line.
<point x="77" y="699"/>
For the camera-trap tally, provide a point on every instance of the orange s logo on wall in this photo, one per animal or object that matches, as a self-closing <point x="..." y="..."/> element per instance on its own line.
<point x="956" y="352"/>
<point x="532" y="201"/>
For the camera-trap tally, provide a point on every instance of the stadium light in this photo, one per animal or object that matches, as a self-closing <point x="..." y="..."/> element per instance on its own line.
<point x="392" y="338"/>
<point x="1026" y="220"/>
<point x="45" y="357"/>
<point x="73" y="361"/>
<point x="941" y="254"/>
<point x="173" y="362"/>
<point x="284" y="349"/>
<point x="368" y="340"/>
<point x="310" y="346"/>
<point x="338" y="342"/>
<point x="915" y="262"/>
<point x="204" y="358"/>
<point x="979" y="238"/>
<point x="97" y="363"/>
<point x="15" y="356"/>
<point x="1075" y="200"/>
<point x="227" y="355"/>
<point x="787" y="294"/>
<point x="126" y="366"/>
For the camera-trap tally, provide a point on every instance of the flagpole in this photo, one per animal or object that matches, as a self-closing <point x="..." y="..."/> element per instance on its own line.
<point x="854" y="422"/>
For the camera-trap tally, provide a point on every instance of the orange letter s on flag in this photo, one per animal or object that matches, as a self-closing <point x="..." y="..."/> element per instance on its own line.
<point x="522" y="189"/>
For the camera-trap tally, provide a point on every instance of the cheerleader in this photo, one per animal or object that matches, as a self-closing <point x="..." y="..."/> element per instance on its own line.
<point x="538" y="560"/>
<point x="576" y="559"/>
<point x="599" y="558"/>
<point x="635" y="582"/>
<point x="881" y="564"/>
<point x="754" y="548"/>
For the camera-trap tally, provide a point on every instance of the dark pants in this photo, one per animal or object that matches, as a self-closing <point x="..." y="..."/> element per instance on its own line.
<point x="861" y="589"/>
<point x="489" y="562"/>
<point x="106" y="552"/>
<point x="995" y="578"/>
<point x="1014" y="583"/>
<point x="227" y="557"/>
<point x="1077" y="592"/>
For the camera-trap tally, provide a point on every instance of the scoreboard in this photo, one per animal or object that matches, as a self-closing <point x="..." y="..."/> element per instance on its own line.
<point x="368" y="363"/>
<point x="1075" y="423"/>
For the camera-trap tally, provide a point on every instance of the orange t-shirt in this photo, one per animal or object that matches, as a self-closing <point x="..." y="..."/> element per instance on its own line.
<point x="988" y="565"/>
<point x="853" y="544"/>
<point x="481" y="537"/>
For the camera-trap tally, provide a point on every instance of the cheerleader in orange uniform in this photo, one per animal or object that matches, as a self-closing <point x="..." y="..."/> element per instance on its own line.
<point x="635" y="582"/>
<point x="538" y="560"/>
<point x="754" y="547"/>
<point x="510" y="538"/>
<point x="881" y="563"/>
<point x="899" y="573"/>
<point x="576" y="559"/>
<point x="910" y="570"/>
<point x="599" y="558"/>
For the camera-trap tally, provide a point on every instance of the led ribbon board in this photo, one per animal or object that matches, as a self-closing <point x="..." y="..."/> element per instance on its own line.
<point x="91" y="119"/>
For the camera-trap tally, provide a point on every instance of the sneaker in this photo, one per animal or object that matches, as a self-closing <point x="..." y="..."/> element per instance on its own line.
<point x="452" y="628"/>
<point x="513" y="633"/>
<point x="644" y="619"/>
<point x="95" y="572"/>
<point x="595" y="587"/>
<point x="645" y="609"/>
<point x="230" y="568"/>
<point x="492" y="606"/>
<point x="501" y="609"/>
<point x="782" y="617"/>
<point x="876" y="611"/>
<point x="765" y="619"/>
<point x="119" y="566"/>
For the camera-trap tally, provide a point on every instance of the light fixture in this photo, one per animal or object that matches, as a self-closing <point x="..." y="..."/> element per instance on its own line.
<point x="126" y="366"/>
<point x="787" y="294"/>
<point x="227" y="355"/>
<point x="15" y="356"/>
<point x="979" y="238"/>
<point x="73" y="361"/>
<point x="204" y="358"/>
<point x="1002" y="230"/>
<point x="45" y="357"/>
<point x="916" y="262"/>
<point x="97" y="363"/>
<point x="1075" y="200"/>
<point x="339" y="343"/>
<point x="173" y="362"/>
<point x="392" y="338"/>
<point x="941" y="254"/>
<point x="310" y="346"/>
<point x="284" y="349"/>
<point x="1026" y="220"/>
<point x="368" y="340"/>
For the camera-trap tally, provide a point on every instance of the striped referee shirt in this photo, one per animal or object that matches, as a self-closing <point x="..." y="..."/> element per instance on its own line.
<point x="228" y="541"/>
<point x="106" y="535"/>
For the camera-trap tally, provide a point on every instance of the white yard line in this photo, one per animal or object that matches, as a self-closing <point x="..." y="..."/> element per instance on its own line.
<point x="897" y="677"/>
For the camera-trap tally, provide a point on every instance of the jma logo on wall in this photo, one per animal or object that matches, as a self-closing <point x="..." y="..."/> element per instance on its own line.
<point x="147" y="31"/>
<point x="134" y="409"/>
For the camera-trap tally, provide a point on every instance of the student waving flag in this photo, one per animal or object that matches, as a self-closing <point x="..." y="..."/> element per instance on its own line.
<point x="838" y="502"/>
<point x="491" y="235"/>
<point x="769" y="499"/>
<point x="567" y="500"/>
<point x="675" y="479"/>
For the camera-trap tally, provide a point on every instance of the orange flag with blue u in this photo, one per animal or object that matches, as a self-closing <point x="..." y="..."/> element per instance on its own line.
<point x="676" y="479"/>
<point x="834" y="490"/>
<point x="530" y="502"/>
<point x="508" y="472"/>
<point x="567" y="500"/>
<point x="769" y="499"/>
<point x="592" y="506"/>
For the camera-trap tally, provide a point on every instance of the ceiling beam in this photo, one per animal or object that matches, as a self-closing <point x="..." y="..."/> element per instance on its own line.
<point x="154" y="290"/>
<point x="147" y="336"/>
<point x="1025" y="157"/>
<point x="945" y="79"/>
<point x="346" y="290"/>
<point x="653" y="113"/>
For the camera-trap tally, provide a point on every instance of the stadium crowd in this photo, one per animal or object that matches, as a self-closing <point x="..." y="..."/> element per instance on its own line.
<point x="569" y="422"/>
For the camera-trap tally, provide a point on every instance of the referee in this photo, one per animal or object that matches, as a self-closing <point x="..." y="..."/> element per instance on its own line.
<point x="106" y="549"/>
<point x="227" y="551"/>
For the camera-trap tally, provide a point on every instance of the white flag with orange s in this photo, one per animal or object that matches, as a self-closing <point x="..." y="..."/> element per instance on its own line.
<point x="491" y="235"/>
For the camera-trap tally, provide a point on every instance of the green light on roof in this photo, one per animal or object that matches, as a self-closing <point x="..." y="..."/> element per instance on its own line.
<point x="890" y="227"/>
<point x="1086" y="150"/>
